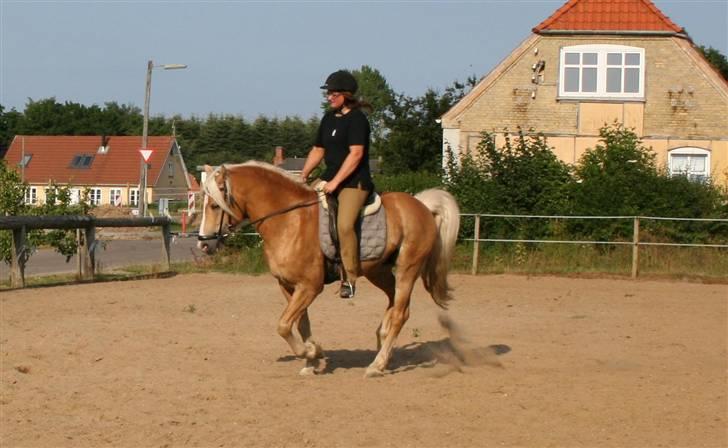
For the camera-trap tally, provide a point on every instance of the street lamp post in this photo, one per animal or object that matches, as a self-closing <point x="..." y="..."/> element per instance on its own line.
<point x="145" y="131"/>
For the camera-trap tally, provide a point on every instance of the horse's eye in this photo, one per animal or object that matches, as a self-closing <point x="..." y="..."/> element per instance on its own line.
<point x="215" y="206"/>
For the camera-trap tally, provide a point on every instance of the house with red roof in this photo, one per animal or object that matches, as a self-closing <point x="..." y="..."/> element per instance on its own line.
<point x="596" y="61"/>
<point x="109" y="168"/>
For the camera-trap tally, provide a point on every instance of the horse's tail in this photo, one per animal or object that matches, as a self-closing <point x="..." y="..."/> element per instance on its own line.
<point x="447" y="218"/>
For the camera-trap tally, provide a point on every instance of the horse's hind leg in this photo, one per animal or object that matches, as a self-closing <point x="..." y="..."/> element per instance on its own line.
<point x="394" y="318"/>
<point x="383" y="278"/>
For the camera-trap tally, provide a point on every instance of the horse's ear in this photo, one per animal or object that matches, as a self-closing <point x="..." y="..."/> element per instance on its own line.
<point x="220" y="176"/>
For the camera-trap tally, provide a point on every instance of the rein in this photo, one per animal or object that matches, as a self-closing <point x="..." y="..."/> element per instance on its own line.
<point x="219" y="236"/>
<point x="283" y="211"/>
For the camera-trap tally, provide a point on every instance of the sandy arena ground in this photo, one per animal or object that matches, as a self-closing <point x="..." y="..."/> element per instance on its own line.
<point x="194" y="360"/>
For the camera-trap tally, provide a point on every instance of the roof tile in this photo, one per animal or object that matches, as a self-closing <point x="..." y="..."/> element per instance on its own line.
<point x="608" y="15"/>
<point x="52" y="156"/>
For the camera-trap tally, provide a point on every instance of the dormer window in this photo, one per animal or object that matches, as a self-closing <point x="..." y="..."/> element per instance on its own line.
<point x="25" y="161"/>
<point x="82" y="161"/>
<point x="602" y="72"/>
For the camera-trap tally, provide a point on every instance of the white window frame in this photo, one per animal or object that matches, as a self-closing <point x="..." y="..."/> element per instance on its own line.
<point x="114" y="193"/>
<point x="170" y="168"/>
<point x="690" y="151"/>
<point x="601" y="93"/>
<point x="134" y="197"/>
<point x="75" y="196"/>
<point x="94" y="196"/>
<point x="31" y="196"/>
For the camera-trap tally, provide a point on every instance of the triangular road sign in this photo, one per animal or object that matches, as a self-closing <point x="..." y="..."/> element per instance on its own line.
<point x="146" y="154"/>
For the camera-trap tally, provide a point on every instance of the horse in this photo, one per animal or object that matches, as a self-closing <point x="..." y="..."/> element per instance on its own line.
<point x="421" y="235"/>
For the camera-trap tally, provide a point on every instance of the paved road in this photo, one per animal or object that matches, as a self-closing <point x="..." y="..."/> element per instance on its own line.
<point x="112" y="254"/>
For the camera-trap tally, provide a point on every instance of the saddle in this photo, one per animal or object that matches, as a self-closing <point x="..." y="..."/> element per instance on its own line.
<point x="371" y="228"/>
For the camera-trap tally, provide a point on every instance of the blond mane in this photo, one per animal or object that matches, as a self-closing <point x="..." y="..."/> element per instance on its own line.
<point x="211" y="189"/>
<point x="285" y="174"/>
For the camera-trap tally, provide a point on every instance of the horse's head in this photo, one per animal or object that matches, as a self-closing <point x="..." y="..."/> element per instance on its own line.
<point x="219" y="211"/>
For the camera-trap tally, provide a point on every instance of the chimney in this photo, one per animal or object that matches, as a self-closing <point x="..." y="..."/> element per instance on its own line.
<point x="279" y="156"/>
<point x="104" y="148"/>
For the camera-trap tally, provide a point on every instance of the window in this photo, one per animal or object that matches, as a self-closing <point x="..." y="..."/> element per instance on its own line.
<point x="25" y="161"/>
<point x="134" y="196"/>
<point x="170" y="169"/>
<point x="602" y="72"/>
<point x="94" y="196"/>
<point x="82" y="161"/>
<point x="55" y="192"/>
<point x="75" y="196"/>
<point x="691" y="162"/>
<point x="31" y="196"/>
<point x="115" y="197"/>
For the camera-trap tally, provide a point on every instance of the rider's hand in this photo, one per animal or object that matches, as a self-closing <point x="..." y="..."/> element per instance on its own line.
<point x="330" y="187"/>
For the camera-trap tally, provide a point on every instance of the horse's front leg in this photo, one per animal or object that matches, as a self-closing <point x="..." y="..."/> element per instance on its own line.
<point x="299" y="299"/>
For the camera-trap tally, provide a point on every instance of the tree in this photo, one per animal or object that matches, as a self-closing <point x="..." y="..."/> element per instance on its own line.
<point x="414" y="137"/>
<point x="374" y="89"/>
<point x="716" y="59"/>
<point x="8" y="124"/>
<point x="523" y="176"/>
<point x="616" y="176"/>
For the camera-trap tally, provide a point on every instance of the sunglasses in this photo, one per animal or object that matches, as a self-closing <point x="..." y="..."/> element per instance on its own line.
<point x="333" y="95"/>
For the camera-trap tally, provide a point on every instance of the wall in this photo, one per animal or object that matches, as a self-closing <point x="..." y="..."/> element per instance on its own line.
<point x="686" y="102"/>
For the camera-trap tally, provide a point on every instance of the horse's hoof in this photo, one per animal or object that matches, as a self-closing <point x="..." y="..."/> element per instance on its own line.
<point x="373" y="372"/>
<point x="307" y="371"/>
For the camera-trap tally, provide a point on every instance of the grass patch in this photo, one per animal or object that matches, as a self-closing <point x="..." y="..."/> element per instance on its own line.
<point x="571" y="259"/>
<point x="41" y="281"/>
<point x="660" y="262"/>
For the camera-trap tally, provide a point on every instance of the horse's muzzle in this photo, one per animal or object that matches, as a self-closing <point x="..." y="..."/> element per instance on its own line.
<point x="208" y="244"/>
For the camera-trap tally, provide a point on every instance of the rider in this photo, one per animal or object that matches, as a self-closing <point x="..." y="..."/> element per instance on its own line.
<point x="342" y="142"/>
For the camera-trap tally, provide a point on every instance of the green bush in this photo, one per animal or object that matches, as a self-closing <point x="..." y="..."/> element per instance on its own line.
<point x="523" y="176"/>
<point x="58" y="202"/>
<point x="408" y="182"/>
<point x="619" y="177"/>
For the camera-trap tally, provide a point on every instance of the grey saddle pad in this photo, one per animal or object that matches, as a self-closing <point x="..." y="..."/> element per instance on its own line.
<point x="373" y="235"/>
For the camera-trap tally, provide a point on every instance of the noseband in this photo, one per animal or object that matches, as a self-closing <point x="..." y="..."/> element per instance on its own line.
<point x="219" y="236"/>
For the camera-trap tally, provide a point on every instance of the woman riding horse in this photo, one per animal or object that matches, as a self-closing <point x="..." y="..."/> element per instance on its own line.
<point x="342" y="142"/>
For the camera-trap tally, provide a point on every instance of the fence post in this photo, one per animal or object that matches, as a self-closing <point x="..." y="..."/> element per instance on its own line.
<point x="86" y="253"/>
<point x="19" y="255"/>
<point x="635" y="247"/>
<point x="79" y="256"/>
<point x="476" y="246"/>
<point x="166" y="237"/>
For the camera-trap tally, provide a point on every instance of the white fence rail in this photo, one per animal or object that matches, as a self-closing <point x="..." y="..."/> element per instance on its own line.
<point x="635" y="243"/>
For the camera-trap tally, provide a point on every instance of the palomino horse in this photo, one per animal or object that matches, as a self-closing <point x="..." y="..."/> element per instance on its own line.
<point x="421" y="234"/>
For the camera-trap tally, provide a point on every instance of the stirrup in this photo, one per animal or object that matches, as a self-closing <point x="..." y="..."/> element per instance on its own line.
<point x="347" y="290"/>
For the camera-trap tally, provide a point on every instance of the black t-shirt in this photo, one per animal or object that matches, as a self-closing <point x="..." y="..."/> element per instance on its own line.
<point x="335" y="134"/>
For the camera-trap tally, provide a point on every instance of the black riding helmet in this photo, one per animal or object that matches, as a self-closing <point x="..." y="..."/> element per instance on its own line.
<point x="341" y="81"/>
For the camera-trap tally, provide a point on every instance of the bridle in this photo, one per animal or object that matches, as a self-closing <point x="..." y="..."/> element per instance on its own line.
<point x="220" y="236"/>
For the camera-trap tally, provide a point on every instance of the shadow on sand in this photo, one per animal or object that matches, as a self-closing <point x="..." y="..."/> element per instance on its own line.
<point x="452" y="354"/>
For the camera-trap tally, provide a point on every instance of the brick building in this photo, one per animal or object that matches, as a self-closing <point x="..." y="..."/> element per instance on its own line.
<point x="596" y="61"/>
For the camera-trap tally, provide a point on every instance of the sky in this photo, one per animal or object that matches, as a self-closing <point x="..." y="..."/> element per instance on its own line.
<point x="252" y="58"/>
